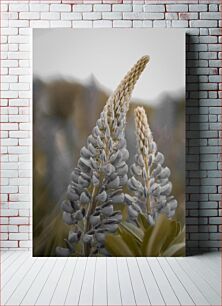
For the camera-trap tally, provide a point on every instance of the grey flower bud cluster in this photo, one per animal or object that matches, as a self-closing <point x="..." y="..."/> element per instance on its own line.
<point x="149" y="182"/>
<point x="97" y="182"/>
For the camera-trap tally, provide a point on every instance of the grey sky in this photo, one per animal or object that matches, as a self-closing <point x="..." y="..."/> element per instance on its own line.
<point x="109" y="53"/>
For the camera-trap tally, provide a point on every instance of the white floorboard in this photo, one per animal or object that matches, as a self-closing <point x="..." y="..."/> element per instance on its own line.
<point x="26" y="280"/>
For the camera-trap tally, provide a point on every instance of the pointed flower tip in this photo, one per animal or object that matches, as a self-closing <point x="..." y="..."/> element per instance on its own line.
<point x="145" y="59"/>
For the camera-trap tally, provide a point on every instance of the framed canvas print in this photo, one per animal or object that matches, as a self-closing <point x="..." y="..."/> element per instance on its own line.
<point x="109" y="142"/>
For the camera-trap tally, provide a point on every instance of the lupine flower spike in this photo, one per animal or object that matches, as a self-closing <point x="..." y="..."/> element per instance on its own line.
<point x="97" y="182"/>
<point x="150" y="179"/>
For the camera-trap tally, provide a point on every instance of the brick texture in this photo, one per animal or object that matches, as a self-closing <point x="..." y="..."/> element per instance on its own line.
<point x="201" y="18"/>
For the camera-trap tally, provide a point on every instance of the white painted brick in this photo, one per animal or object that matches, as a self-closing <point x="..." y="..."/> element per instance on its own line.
<point x="82" y="8"/>
<point x="187" y="16"/>
<point x="9" y="126"/>
<point x="29" y="15"/>
<point x="9" y="228"/>
<point x="71" y="16"/>
<point x="4" y="118"/>
<point x="147" y="24"/>
<point x="214" y="47"/>
<point x="9" y="78"/>
<point x="180" y="23"/>
<point x="82" y="24"/>
<point x="4" y="7"/>
<point x="101" y="7"/>
<point x="134" y="15"/>
<point x="208" y="55"/>
<point x="4" y="181"/>
<point x="60" y="24"/>
<point x="25" y="244"/>
<point x="9" y="173"/>
<point x="204" y="31"/>
<point x="177" y="8"/>
<point x="207" y="15"/>
<point x="213" y="7"/>
<point x="24" y="173"/>
<point x="197" y="7"/>
<point x="137" y="8"/>
<point x="154" y="8"/>
<point x="19" y="7"/>
<point x="24" y="166"/>
<point x="112" y="15"/>
<point x="9" y="244"/>
<point x="19" y="71"/>
<point x="19" y="86"/>
<point x="92" y="15"/>
<point x="39" y="24"/>
<point x="13" y="158"/>
<point x="9" y="142"/>
<point x="121" y="7"/>
<point x="24" y="126"/>
<point x="39" y="7"/>
<point x="9" y="94"/>
<point x="9" y="212"/>
<point x="4" y="236"/>
<point x="24" y="229"/>
<point x="18" y="149"/>
<point x="19" y="39"/>
<point x="19" y="118"/>
<point x="19" y="102"/>
<point x="9" y="63"/>
<point x="203" y="23"/>
<point x="19" y="134"/>
<point x="3" y="220"/>
<point x="13" y="47"/>
<point x="208" y="39"/>
<point x="4" y="71"/>
<point x="26" y="47"/>
<point x="9" y="31"/>
<point x="5" y="86"/>
<point x="25" y="31"/>
<point x="122" y="23"/>
<point x="24" y="157"/>
<point x="25" y="94"/>
<point x="24" y="212"/>
<point x="137" y="23"/>
<point x="3" y="47"/>
<point x="18" y="23"/>
<point x="50" y="16"/>
<point x="4" y="158"/>
<point x="60" y="8"/>
<point x="102" y="24"/>
<point x="13" y="110"/>
<point x="18" y="236"/>
<point x="20" y="182"/>
<point x="4" y="134"/>
<point x="4" y="102"/>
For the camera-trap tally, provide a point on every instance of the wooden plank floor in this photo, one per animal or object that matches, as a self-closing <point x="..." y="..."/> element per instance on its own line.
<point x="27" y="280"/>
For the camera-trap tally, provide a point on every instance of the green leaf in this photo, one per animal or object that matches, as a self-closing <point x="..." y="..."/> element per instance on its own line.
<point x="175" y="250"/>
<point x="173" y="230"/>
<point x="180" y="237"/>
<point x="159" y="236"/>
<point x="131" y="242"/>
<point x="146" y="240"/>
<point x="143" y="222"/>
<point x="133" y="230"/>
<point x="116" y="246"/>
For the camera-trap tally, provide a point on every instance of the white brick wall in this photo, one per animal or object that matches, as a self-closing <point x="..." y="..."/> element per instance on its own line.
<point x="200" y="17"/>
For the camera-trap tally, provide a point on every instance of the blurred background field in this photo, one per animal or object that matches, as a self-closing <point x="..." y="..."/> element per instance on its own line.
<point x="64" y="114"/>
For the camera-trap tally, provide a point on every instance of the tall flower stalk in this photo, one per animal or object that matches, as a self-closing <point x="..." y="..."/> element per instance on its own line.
<point x="97" y="182"/>
<point x="150" y="182"/>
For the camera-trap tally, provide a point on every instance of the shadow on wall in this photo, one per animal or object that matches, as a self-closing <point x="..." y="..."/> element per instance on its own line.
<point x="194" y="224"/>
